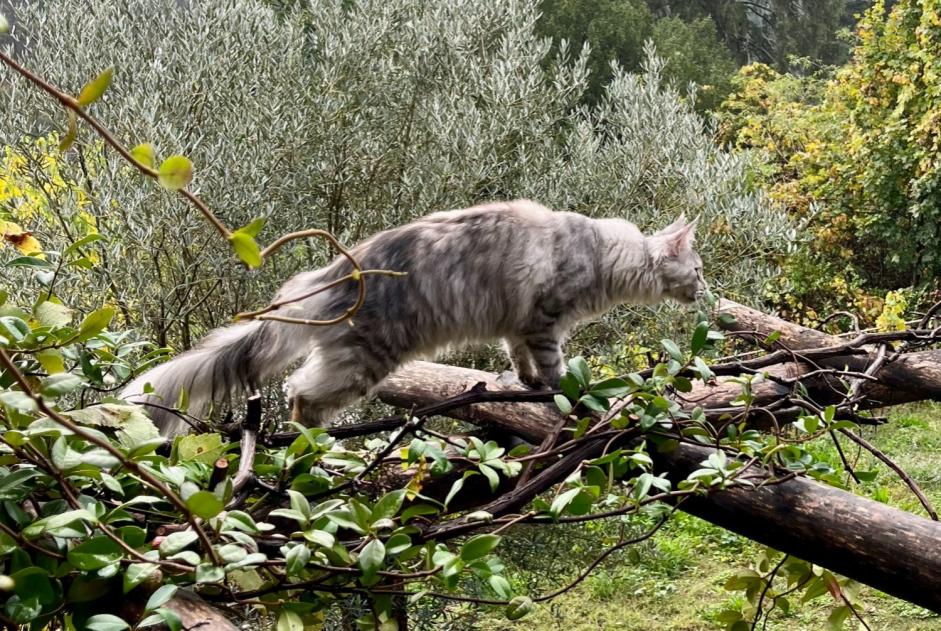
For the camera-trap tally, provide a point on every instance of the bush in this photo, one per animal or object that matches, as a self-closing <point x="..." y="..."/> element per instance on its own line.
<point x="855" y="159"/>
<point x="355" y="117"/>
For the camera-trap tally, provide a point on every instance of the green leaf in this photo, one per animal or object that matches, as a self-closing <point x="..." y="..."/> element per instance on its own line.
<point x="371" y="557"/>
<point x="725" y="320"/>
<point x="519" y="607"/>
<point x="772" y="338"/>
<point x="95" y="553"/>
<point x="52" y="314"/>
<point x="479" y="546"/>
<point x="4" y="24"/>
<point x="491" y="476"/>
<point x="500" y="586"/>
<point x="30" y="261"/>
<point x="563" y="500"/>
<point x="420" y="509"/>
<point x="51" y="360"/>
<point x="672" y="349"/>
<point x="610" y="388"/>
<point x="209" y="573"/>
<point x="289" y="621"/>
<point x="136" y="574"/>
<point x="388" y="505"/>
<point x="22" y="609"/>
<point x="320" y="537"/>
<point x="175" y="172"/>
<point x="95" y="322"/>
<point x="204" y="504"/>
<point x="34" y="582"/>
<point x="700" y="337"/>
<point x="206" y="448"/>
<point x="144" y="153"/>
<point x="176" y="542"/>
<point x="253" y="228"/>
<point x="246" y="248"/>
<point x="296" y="559"/>
<point x="133" y="427"/>
<point x="95" y="88"/>
<point x="171" y="619"/>
<point x="19" y="401"/>
<point x="105" y="622"/>
<point x="60" y="384"/>
<point x="579" y="369"/>
<point x="299" y="503"/>
<point x="455" y="488"/>
<point x="399" y="542"/>
<point x="163" y="594"/>
<point x="564" y="405"/>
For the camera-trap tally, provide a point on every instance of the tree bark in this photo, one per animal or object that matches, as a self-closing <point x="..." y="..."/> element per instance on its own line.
<point x="911" y="377"/>
<point x="881" y="546"/>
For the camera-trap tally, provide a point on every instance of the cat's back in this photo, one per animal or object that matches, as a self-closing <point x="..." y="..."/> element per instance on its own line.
<point x="515" y="211"/>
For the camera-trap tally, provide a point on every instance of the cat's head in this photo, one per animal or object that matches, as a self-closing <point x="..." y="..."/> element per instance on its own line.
<point x="676" y="264"/>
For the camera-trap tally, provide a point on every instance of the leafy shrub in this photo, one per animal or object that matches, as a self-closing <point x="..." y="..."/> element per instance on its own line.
<point x="356" y="117"/>
<point x="853" y="158"/>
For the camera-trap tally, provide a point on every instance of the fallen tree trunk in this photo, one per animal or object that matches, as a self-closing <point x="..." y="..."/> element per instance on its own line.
<point x="884" y="547"/>
<point x="910" y="377"/>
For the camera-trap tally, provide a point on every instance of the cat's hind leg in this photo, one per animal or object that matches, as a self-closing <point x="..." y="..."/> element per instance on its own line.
<point x="546" y="351"/>
<point x="329" y="381"/>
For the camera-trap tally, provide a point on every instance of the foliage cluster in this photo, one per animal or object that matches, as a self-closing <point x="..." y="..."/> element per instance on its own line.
<point x="616" y="32"/>
<point x="702" y="42"/>
<point x="393" y="105"/>
<point x="854" y="159"/>
<point x="368" y="115"/>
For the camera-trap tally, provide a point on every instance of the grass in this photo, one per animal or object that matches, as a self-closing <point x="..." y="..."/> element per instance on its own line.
<point x="677" y="581"/>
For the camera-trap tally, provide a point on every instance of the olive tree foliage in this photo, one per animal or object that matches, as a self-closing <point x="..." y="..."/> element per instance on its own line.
<point x="356" y="117"/>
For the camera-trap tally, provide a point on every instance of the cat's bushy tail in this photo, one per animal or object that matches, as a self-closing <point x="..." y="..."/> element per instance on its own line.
<point x="228" y="362"/>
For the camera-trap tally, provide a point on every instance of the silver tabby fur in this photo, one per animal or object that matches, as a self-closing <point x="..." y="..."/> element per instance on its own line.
<point x="515" y="271"/>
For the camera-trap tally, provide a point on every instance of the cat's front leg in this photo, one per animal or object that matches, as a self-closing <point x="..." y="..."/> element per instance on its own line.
<point x="546" y="352"/>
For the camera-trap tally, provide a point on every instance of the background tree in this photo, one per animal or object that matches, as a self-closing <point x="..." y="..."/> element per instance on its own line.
<point x="855" y="159"/>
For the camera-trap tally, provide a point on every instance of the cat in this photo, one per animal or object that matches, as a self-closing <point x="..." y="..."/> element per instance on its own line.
<point x="514" y="270"/>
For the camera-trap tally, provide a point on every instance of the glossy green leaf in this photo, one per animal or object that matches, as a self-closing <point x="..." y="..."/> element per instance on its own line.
<point x="176" y="541"/>
<point x="95" y="322"/>
<point x="518" y="608"/>
<point x="479" y="546"/>
<point x="672" y="349"/>
<point x="204" y="504"/>
<point x="246" y="248"/>
<point x="95" y="553"/>
<point x="252" y="229"/>
<point x="105" y="622"/>
<point x="371" y="557"/>
<point x="289" y="621"/>
<point x="137" y="573"/>
<point x="163" y="594"/>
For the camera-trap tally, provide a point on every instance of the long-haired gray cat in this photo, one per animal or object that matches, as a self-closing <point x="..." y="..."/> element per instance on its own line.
<point x="516" y="271"/>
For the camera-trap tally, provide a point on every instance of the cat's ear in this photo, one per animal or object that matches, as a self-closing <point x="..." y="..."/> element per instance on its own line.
<point x="673" y="227"/>
<point x="677" y="242"/>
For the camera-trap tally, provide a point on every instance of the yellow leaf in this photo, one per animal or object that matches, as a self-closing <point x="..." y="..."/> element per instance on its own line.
<point x="175" y="172"/>
<point x="95" y="88"/>
<point x="70" y="134"/>
<point x="144" y="153"/>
